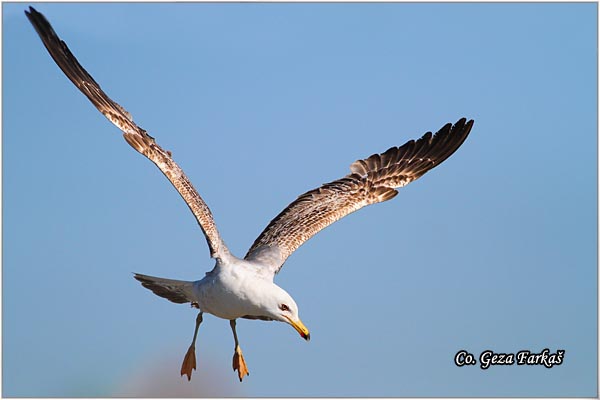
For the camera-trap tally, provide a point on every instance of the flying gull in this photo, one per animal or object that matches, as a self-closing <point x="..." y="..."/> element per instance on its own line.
<point x="244" y="288"/>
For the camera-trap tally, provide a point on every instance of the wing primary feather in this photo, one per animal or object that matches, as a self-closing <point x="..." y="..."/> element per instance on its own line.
<point x="371" y="180"/>
<point x="137" y="137"/>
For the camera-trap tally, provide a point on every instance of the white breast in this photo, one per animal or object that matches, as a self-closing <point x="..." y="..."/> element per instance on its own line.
<point x="232" y="291"/>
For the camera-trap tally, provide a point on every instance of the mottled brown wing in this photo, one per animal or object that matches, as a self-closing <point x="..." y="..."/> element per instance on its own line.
<point x="371" y="181"/>
<point x="133" y="134"/>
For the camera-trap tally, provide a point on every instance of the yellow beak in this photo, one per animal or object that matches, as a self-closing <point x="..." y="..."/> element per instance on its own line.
<point x="299" y="327"/>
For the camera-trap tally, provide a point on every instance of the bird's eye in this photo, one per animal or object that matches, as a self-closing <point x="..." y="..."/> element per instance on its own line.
<point x="283" y="307"/>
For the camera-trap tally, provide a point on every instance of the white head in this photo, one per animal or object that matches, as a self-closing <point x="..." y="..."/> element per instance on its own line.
<point x="278" y="305"/>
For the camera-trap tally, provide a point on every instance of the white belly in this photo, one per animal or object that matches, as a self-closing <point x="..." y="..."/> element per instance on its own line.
<point x="228" y="294"/>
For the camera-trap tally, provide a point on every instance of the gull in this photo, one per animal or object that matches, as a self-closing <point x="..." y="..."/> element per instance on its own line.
<point x="244" y="288"/>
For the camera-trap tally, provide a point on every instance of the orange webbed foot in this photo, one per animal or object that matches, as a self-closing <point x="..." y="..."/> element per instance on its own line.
<point x="239" y="364"/>
<point x="189" y="362"/>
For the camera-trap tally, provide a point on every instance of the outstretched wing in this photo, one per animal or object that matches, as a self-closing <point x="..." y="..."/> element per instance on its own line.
<point x="371" y="181"/>
<point x="133" y="134"/>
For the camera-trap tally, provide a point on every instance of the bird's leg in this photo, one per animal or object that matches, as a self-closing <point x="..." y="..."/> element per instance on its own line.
<point x="189" y="361"/>
<point x="239" y="363"/>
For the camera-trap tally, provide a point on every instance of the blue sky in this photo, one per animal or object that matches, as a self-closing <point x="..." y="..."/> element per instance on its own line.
<point x="495" y="249"/>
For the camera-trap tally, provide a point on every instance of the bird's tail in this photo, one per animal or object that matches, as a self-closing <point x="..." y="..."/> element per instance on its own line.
<point x="171" y="289"/>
